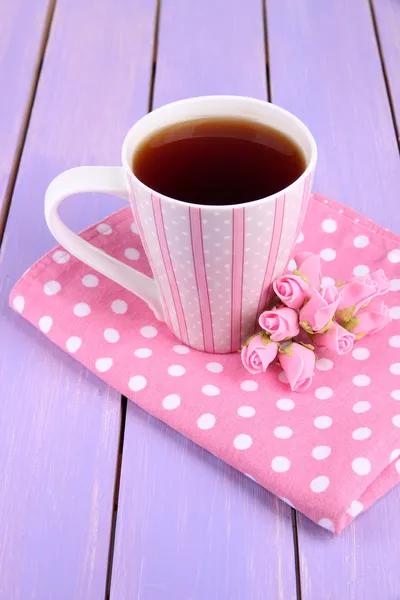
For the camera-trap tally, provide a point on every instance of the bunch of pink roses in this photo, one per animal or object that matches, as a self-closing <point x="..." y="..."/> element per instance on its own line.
<point x="333" y="318"/>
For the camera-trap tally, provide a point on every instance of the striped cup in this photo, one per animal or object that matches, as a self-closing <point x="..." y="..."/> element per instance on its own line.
<point x="212" y="265"/>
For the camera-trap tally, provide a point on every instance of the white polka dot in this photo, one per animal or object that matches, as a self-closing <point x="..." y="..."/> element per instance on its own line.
<point x="246" y="411"/>
<point x="319" y="484"/>
<point x="104" y="228"/>
<point x="285" y="404"/>
<point x="395" y="285"/>
<point x="143" y="352"/>
<point x="206" y="421"/>
<point x="148" y="331"/>
<point x="361" y="241"/>
<point x="321" y="452"/>
<point x="361" y="380"/>
<point x="81" y="309"/>
<point x="361" y="466"/>
<point x="395" y="394"/>
<point x="176" y="370"/>
<point x="134" y="228"/>
<point x="137" y="383"/>
<point x="242" y="441"/>
<point x="51" y="287"/>
<point x="73" y="344"/>
<point x="323" y="393"/>
<point x="394" y="256"/>
<point x="322" y="422"/>
<point x="292" y="265"/>
<point x="396" y="420"/>
<point x="328" y="254"/>
<point x="45" y="324"/>
<point x="394" y="341"/>
<point x="103" y="364"/>
<point x="360" y="270"/>
<point x="300" y="239"/>
<point x="19" y="303"/>
<point x="362" y="433"/>
<point x="324" y="364"/>
<point x="327" y="281"/>
<point x="90" y="281"/>
<point x="395" y="368"/>
<point x="280" y="464"/>
<point x="111" y="335"/>
<point x="132" y="253"/>
<point x="361" y="407"/>
<point x="181" y="349"/>
<point x="327" y="524"/>
<point x="282" y="432"/>
<point x="397" y="466"/>
<point x="395" y="454"/>
<point x="329" y="225"/>
<point x="61" y="257"/>
<point x="171" y="401"/>
<point x="249" y="385"/>
<point x="360" y="353"/>
<point x="119" y="307"/>
<point x="210" y="390"/>
<point x="395" y="312"/>
<point x="355" y="508"/>
<point x="214" y="367"/>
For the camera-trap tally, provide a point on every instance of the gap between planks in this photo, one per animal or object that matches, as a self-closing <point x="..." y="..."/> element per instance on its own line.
<point x="384" y="71"/>
<point x="26" y="117"/>
<point x="124" y="401"/>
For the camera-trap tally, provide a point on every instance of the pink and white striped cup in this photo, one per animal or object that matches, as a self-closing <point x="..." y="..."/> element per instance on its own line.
<point x="212" y="265"/>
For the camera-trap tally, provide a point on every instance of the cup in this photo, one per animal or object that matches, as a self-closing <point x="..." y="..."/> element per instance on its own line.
<point x="212" y="265"/>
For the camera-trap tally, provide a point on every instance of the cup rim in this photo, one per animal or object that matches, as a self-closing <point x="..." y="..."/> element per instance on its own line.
<point x="194" y="100"/>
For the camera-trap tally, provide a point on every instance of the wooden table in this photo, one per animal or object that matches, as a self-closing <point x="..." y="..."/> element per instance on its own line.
<point x="97" y="498"/>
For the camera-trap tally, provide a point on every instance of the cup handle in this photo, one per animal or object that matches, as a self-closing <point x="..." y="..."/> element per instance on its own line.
<point x="108" y="180"/>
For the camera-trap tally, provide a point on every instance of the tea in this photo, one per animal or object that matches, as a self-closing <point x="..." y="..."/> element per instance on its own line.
<point x="218" y="161"/>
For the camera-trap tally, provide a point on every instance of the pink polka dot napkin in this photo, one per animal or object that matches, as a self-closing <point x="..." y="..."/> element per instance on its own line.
<point x="329" y="452"/>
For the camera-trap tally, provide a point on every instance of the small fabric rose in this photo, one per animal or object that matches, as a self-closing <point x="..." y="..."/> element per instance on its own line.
<point x="291" y="289"/>
<point x="258" y="354"/>
<point x="281" y="323"/>
<point x="370" y="319"/>
<point x="356" y="293"/>
<point x="382" y="282"/>
<point x="309" y="267"/>
<point x="337" y="339"/>
<point x="298" y="363"/>
<point x="317" y="313"/>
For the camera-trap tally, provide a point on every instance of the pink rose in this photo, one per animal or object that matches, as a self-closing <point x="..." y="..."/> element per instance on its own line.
<point x="309" y="265"/>
<point x="298" y="363"/>
<point x="258" y="354"/>
<point x="370" y="319"/>
<point x="337" y="339"/>
<point x="382" y="282"/>
<point x="281" y="323"/>
<point x="320" y="308"/>
<point x="291" y="290"/>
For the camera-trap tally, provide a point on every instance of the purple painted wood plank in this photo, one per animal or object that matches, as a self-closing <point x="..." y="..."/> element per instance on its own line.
<point x="387" y="14"/>
<point x="21" y="28"/>
<point x="188" y="525"/>
<point x="60" y="424"/>
<point x="328" y="72"/>
<point x="325" y="67"/>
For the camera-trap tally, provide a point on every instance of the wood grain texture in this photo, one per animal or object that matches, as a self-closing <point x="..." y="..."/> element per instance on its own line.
<point x="22" y="26"/>
<point x="60" y="424"/>
<point x="387" y="15"/>
<point x="188" y="525"/>
<point x="325" y="67"/>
